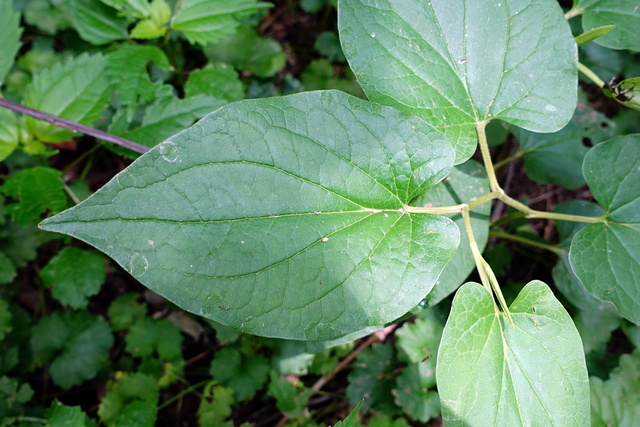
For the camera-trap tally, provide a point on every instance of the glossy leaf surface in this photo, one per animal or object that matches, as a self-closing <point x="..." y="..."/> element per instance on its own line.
<point x="606" y="256"/>
<point x="495" y="373"/>
<point x="458" y="63"/>
<point x="281" y="217"/>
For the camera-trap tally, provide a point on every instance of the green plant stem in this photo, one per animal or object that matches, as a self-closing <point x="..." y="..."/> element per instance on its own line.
<point x="509" y="159"/>
<point x="564" y="217"/>
<point x="182" y="393"/>
<point x="590" y="74"/>
<point x="443" y="210"/>
<point x="486" y="157"/>
<point x="576" y="11"/>
<point x="526" y="241"/>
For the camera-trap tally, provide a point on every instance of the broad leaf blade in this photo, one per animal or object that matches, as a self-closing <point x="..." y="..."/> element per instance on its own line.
<point x="95" y="22"/>
<point x="606" y="256"/>
<point x="494" y="373"/>
<point x="9" y="37"/>
<point x="623" y="13"/>
<point x="458" y="63"/>
<point x="281" y="217"/>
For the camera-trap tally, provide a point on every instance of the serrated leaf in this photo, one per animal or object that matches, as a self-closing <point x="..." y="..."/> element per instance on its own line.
<point x="129" y="389"/>
<point x="215" y="405"/>
<point x="457" y="65"/>
<point x="207" y="21"/>
<point x="9" y="131"/>
<point x="616" y="402"/>
<point x="248" y="51"/>
<point x="59" y="415"/>
<point x="466" y="182"/>
<point x="412" y="392"/>
<point x="148" y="336"/>
<point x="304" y="204"/>
<point x="45" y="16"/>
<point x="244" y="374"/>
<point x="95" y="22"/>
<point x="352" y="419"/>
<point x="370" y="378"/>
<point x="125" y="310"/>
<point x="530" y="372"/>
<point x="127" y="69"/>
<point x="606" y="256"/>
<point x="77" y="342"/>
<point x="138" y="413"/>
<point x="9" y="37"/>
<point x="289" y="399"/>
<point x="218" y="80"/>
<point x="624" y="14"/>
<point x="418" y="343"/>
<point x="76" y="89"/>
<point x="37" y="190"/>
<point x="75" y="275"/>
<point x="134" y="8"/>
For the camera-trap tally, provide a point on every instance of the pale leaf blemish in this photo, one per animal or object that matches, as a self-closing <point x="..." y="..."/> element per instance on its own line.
<point x="325" y="239"/>
<point x="169" y="151"/>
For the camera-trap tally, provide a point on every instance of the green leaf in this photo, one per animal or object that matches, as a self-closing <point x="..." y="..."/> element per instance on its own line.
<point x="320" y="75"/>
<point x="623" y="13"/>
<point x="215" y="405"/>
<point x="291" y="401"/>
<point x="20" y="243"/>
<point x="382" y="420"/>
<point x="218" y="80"/>
<point x="466" y="182"/>
<point x="129" y="389"/>
<point x="78" y="343"/>
<point x="95" y="22"/>
<point x="412" y="392"/>
<point x="593" y="34"/>
<point x="139" y="414"/>
<point x="37" y="190"/>
<point x="76" y="89"/>
<point x="371" y="380"/>
<point x="248" y="51"/>
<point x="530" y="372"/>
<point x="563" y="276"/>
<point x="9" y="131"/>
<point x="207" y="21"/>
<point x="458" y="66"/>
<point x="45" y="16"/>
<point x="161" y="336"/>
<point x="328" y="45"/>
<point x="134" y="8"/>
<point x="303" y="232"/>
<point x="606" y="256"/>
<point x="616" y="402"/>
<point x="627" y="92"/>
<point x="9" y="37"/>
<point x="5" y="319"/>
<point x="75" y="275"/>
<point x="352" y="418"/>
<point x="418" y="344"/>
<point x="125" y="310"/>
<point x="244" y="374"/>
<point x="127" y="69"/>
<point x="7" y="269"/>
<point x="59" y="415"/>
<point x="156" y="25"/>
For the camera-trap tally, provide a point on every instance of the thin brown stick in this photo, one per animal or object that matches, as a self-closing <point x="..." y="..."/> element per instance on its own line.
<point x="76" y="127"/>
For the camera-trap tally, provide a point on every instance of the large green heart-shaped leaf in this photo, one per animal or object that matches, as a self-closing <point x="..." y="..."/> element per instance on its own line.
<point x="458" y="63"/>
<point x="281" y="217"/>
<point x="624" y="14"/>
<point x="606" y="256"/>
<point x="492" y="372"/>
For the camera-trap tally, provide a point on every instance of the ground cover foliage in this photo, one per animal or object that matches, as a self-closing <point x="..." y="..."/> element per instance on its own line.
<point x="383" y="213"/>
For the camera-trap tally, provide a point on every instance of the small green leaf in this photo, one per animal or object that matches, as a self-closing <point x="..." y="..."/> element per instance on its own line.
<point x="493" y="372"/>
<point x="218" y="80"/>
<point x="593" y="34"/>
<point x="215" y="405"/>
<point x="139" y="414"/>
<point x="5" y="319"/>
<point x="9" y="131"/>
<point x="77" y="342"/>
<point x="148" y="336"/>
<point x="7" y="269"/>
<point x="370" y="378"/>
<point x="623" y="13"/>
<point x="207" y="21"/>
<point x="59" y="415"/>
<point x="352" y="418"/>
<point x="320" y="75"/>
<point x="412" y="392"/>
<point x="9" y="38"/>
<point x="125" y="310"/>
<point x="244" y="374"/>
<point x="129" y="389"/>
<point x="45" y="16"/>
<point x="75" y="275"/>
<point x="418" y="344"/>
<point x="76" y="89"/>
<point x="95" y="22"/>
<point x="134" y="8"/>
<point x="263" y="247"/>
<point x="289" y="399"/>
<point x="606" y="256"/>
<point x="248" y="51"/>
<point x="37" y="190"/>
<point x="328" y="45"/>
<point x="616" y="402"/>
<point x="458" y="66"/>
